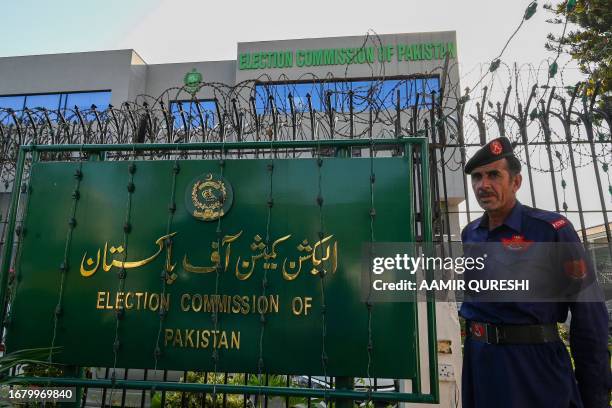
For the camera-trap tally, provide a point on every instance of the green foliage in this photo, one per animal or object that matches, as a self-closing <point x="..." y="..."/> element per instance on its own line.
<point x="156" y="400"/>
<point x="33" y="362"/>
<point x="564" y="334"/>
<point x="590" y="43"/>
<point x="176" y="399"/>
<point x="179" y="399"/>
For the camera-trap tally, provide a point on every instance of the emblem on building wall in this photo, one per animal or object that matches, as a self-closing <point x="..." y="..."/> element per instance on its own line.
<point x="192" y="81"/>
<point x="209" y="197"/>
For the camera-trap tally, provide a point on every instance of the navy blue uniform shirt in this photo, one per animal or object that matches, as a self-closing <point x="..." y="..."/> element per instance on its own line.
<point x="536" y="375"/>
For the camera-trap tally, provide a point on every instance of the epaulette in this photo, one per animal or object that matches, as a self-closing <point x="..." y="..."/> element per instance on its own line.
<point x="554" y="219"/>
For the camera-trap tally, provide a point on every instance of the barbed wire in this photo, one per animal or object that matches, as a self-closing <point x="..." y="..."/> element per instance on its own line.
<point x="338" y="107"/>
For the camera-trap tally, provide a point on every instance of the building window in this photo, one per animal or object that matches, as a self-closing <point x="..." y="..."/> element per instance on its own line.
<point x="12" y="102"/>
<point x="367" y="94"/>
<point x="194" y="113"/>
<point x="62" y="102"/>
<point x="84" y="100"/>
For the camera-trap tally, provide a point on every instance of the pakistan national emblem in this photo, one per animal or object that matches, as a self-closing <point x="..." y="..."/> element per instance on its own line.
<point x="209" y="197"/>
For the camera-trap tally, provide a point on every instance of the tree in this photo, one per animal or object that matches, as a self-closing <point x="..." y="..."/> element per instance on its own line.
<point x="590" y="44"/>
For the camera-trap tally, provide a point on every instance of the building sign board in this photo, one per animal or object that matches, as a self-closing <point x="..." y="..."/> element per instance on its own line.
<point x="195" y="259"/>
<point x="290" y="58"/>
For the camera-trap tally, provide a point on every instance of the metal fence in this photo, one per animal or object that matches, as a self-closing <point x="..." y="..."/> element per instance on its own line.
<point x="561" y="135"/>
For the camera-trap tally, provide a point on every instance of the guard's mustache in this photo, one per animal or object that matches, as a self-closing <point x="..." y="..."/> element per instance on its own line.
<point x="485" y="194"/>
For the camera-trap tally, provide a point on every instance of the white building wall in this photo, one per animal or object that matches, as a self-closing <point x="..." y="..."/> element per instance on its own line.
<point x="83" y="71"/>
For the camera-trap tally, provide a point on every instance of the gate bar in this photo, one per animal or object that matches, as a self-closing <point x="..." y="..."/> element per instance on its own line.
<point x="225" y="389"/>
<point x="432" y="337"/>
<point x="278" y="144"/>
<point x="7" y="249"/>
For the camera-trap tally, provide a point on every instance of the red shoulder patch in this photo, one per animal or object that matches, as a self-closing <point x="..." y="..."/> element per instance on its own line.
<point x="576" y="269"/>
<point x="562" y="222"/>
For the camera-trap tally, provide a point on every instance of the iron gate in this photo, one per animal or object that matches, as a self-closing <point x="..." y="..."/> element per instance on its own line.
<point x="79" y="163"/>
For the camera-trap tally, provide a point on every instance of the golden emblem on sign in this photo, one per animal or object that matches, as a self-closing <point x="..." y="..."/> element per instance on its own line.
<point x="211" y="197"/>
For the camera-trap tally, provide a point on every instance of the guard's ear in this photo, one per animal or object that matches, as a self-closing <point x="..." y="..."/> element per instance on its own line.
<point x="516" y="182"/>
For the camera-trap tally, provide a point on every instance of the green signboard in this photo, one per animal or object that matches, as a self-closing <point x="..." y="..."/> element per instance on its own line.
<point x="345" y="56"/>
<point x="197" y="259"/>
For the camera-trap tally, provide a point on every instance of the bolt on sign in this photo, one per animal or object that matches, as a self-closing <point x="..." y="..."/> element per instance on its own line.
<point x="180" y="261"/>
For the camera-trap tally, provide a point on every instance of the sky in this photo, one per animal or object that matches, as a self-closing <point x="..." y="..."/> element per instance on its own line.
<point x="165" y="31"/>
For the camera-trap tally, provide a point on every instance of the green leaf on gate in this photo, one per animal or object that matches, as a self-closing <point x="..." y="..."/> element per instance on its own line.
<point x="552" y="69"/>
<point x="27" y="356"/>
<point x="531" y="9"/>
<point x="494" y="65"/>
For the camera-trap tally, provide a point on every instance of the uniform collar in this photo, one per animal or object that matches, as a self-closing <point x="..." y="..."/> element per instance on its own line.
<point x="513" y="220"/>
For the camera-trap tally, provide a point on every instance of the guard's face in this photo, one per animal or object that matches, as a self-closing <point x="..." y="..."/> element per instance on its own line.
<point x="493" y="186"/>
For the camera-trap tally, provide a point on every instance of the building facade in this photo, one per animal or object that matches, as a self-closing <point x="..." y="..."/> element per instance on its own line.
<point x="307" y="88"/>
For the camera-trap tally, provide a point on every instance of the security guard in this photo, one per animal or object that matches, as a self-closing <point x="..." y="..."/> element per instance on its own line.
<point x="513" y="356"/>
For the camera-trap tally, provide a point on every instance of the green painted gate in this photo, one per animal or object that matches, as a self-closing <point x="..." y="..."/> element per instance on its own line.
<point x="229" y="265"/>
